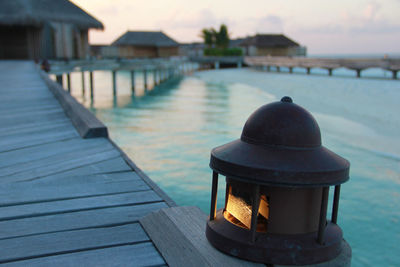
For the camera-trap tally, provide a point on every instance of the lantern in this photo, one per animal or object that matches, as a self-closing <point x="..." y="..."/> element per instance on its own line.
<point x="278" y="177"/>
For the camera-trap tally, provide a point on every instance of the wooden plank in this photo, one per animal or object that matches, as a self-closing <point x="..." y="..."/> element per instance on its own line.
<point x="30" y="154"/>
<point x="76" y="220"/>
<point x="33" y="126"/>
<point x="44" y="126"/>
<point x="106" y="166"/>
<point x="17" y="107"/>
<point x="77" y="204"/>
<point x="21" y="119"/>
<point x="35" y="129"/>
<point x="71" y="241"/>
<point x="143" y="254"/>
<point x="70" y="187"/>
<point x="58" y="167"/>
<point x="24" y="116"/>
<point x="19" y="141"/>
<point x="182" y="229"/>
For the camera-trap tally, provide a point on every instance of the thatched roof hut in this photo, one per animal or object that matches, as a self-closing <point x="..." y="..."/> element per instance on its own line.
<point x="146" y="44"/>
<point x="270" y="40"/>
<point x="38" y="12"/>
<point x="145" y="38"/>
<point x="271" y="45"/>
<point x="35" y="29"/>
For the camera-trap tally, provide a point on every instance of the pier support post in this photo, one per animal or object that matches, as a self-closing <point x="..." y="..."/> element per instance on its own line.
<point x="155" y="77"/>
<point x="91" y="84"/>
<point x="145" y="79"/>
<point x="394" y="74"/>
<point x="69" y="82"/>
<point x="278" y="69"/>
<point x="308" y="70"/>
<point x="216" y="65"/>
<point x="290" y="69"/>
<point x="59" y="79"/>
<point x="133" y="82"/>
<point x="330" y="72"/>
<point x="358" y="73"/>
<point x="114" y="82"/>
<point x="83" y="83"/>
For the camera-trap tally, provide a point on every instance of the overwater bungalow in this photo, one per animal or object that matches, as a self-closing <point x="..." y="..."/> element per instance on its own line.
<point x="149" y="44"/>
<point x="271" y="45"/>
<point x="38" y="29"/>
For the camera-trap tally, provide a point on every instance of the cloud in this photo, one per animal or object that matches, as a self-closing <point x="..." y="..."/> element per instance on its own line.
<point x="201" y="19"/>
<point x="371" y="10"/>
<point x="269" y="23"/>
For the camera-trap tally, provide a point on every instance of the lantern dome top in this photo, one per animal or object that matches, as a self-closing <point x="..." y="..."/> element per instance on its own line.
<point x="282" y="124"/>
<point x="280" y="145"/>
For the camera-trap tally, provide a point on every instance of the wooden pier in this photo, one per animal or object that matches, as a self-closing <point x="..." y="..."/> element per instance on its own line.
<point x="160" y="69"/>
<point x="358" y="65"/>
<point x="65" y="199"/>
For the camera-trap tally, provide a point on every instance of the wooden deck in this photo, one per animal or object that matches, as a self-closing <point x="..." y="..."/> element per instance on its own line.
<point x="65" y="200"/>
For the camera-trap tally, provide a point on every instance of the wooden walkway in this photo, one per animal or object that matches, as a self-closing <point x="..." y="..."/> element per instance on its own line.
<point x="330" y="64"/>
<point x="64" y="200"/>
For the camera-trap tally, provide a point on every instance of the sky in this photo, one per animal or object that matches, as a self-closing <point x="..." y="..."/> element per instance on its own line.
<point x="324" y="27"/>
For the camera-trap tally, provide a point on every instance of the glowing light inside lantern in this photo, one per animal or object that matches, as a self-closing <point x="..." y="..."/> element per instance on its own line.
<point x="238" y="209"/>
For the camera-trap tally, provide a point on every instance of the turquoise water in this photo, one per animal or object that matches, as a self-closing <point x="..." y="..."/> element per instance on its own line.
<point x="170" y="131"/>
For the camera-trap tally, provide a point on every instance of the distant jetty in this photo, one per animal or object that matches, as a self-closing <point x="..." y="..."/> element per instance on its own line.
<point x="330" y="65"/>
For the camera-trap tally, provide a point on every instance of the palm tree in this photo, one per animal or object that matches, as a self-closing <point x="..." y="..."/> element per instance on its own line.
<point x="208" y="36"/>
<point x="222" y="37"/>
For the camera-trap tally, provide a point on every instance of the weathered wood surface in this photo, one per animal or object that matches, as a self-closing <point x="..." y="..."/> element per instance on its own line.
<point x="64" y="200"/>
<point x="179" y="234"/>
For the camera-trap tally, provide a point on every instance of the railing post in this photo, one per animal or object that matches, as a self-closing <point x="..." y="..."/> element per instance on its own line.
<point x="69" y="82"/>
<point x="59" y="79"/>
<point x="145" y="79"/>
<point x="83" y="83"/>
<point x="114" y="82"/>
<point x="133" y="82"/>
<point x="91" y="84"/>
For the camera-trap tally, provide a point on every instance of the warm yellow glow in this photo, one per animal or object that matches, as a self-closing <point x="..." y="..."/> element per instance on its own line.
<point x="238" y="208"/>
<point x="264" y="208"/>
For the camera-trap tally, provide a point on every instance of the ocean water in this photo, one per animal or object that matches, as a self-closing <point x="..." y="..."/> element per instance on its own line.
<point x="170" y="130"/>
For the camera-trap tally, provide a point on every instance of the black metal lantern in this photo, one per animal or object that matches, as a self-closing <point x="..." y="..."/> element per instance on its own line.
<point x="277" y="186"/>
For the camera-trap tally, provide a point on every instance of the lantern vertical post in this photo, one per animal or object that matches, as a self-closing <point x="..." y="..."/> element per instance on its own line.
<point x="254" y="212"/>
<point x="214" y="191"/>
<point x="335" y="207"/>
<point x="322" y="216"/>
<point x="227" y="191"/>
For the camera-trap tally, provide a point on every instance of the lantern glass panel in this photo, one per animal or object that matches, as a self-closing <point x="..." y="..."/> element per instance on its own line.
<point x="238" y="208"/>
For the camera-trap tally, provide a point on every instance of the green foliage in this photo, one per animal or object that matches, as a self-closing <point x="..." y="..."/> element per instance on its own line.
<point x="213" y="38"/>
<point x="222" y="37"/>
<point x="222" y="51"/>
<point x="208" y="36"/>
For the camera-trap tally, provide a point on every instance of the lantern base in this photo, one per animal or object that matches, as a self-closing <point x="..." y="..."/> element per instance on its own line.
<point x="299" y="249"/>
